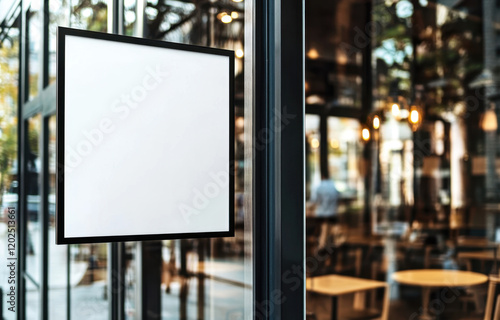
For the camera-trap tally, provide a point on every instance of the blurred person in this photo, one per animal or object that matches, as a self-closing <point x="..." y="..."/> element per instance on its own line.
<point x="325" y="198"/>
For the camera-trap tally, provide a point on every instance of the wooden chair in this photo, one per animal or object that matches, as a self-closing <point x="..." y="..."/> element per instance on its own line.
<point x="493" y="300"/>
<point x="360" y="312"/>
<point x="492" y="309"/>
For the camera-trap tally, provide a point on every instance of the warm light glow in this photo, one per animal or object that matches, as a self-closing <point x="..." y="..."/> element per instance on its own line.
<point x="395" y="110"/>
<point x="240" y="122"/>
<point x="334" y="143"/>
<point x="239" y="53"/>
<point x="226" y="19"/>
<point x="237" y="0"/>
<point x="342" y="58"/>
<point x="376" y="122"/>
<point x="365" y="134"/>
<point x="314" y="143"/>
<point x="315" y="99"/>
<point x="490" y="122"/>
<point x="234" y="15"/>
<point x="414" y="117"/>
<point x="313" y="54"/>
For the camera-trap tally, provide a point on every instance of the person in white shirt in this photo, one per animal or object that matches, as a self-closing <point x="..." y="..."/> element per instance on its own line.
<point x="325" y="198"/>
<point x="324" y="201"/>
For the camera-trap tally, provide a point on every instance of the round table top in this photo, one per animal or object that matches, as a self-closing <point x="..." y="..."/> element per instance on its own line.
<point x="439" y="278"/>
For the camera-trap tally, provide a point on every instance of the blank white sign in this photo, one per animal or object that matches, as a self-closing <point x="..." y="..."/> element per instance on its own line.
<point x="145" y="132"/>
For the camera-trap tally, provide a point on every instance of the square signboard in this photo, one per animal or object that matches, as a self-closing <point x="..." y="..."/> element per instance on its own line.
<point x="145" y="139"/>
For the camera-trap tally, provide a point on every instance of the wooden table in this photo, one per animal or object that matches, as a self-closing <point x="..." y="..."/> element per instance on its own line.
<point x="430" y="279"/>
<point x="478" y="255"/>
<point x="482" y="256"/>
<point x="335" y="285"/>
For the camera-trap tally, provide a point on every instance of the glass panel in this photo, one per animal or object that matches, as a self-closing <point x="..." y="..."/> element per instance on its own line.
<point x="132" y="291"/>
<point x="84" y="15"/>
<point x="345" y="162"/>
<point x="89" y="15"/>
<point x="205" y="278"/>
<point x="335" y="53"/>
<point x="58" y="254"/>
<point x="9" y="64"/>
<point x="419" y="172"/>
<point x="59" y="16"/>
<point x="34" y="40"/>
<point x="129" y="17"/>
<point x="88" y="281"/>
<point x="33" y="243"/>
<point x="313" y="172"/>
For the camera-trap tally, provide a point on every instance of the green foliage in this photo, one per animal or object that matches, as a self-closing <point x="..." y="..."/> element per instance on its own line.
<point x="9" y="71"/>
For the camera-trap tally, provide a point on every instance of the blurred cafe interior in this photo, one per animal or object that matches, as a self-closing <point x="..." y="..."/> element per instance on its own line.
<point x="401" y="176"/>
<point x="402" y="157"/>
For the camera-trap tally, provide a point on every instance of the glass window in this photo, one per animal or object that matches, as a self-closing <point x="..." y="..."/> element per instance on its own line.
<point x="335" y="48"/>
<point x="416" y="172"/>
<point x="313" y="171"/>
<point x="33" y="227"/>
<point x="345" y="162"/>
<point x="34" y="48"/>
<point x="89" y="15"/>
<point x="132" y="291"/>
<point x="129" y="17"/>
<point x="88" y="281"/>
<point x="59" y="16"/>
<point x="208" y="278"/>
<point x="57" y="254"/>
<point x="9" y="184"/>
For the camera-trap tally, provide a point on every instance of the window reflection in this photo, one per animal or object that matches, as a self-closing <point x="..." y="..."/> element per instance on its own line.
<point x="335" y="50"/>
<point x="33" y="227"/>
<point x="9" y="183"/>
<point x="198" y="273"/>
<point x="35" y="42"/>
<point x="419" y="188"/>
<point x="88" y="281"/>
<point x="58" y="16"/>
<point x="57" y="254"/>
<point x="313" y="172"/>
<point x="129" y="17"/>
<point x="89" y="15"/>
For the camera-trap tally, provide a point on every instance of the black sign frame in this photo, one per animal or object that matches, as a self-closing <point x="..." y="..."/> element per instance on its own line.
<point x="61" y="238"/>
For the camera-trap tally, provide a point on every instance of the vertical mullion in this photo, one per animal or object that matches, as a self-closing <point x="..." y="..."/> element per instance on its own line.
<point x="278" y="140"/>
<point x="25" y="56"/>
<point x="68" y="282"/>
<point x="44" y="217"/>
<point x="116" y="279"/>
<point x="261" y="190"/>
<point x="292" y="164"/>
<point x="44" y="66"/>
<point x="116" y="271"/>
<point x="323" y="138"/>
<point x="112" y="280"/>
<point x="21" y="156"/>
<point x="139" y="22"/>
<point x="120" y="27"/>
